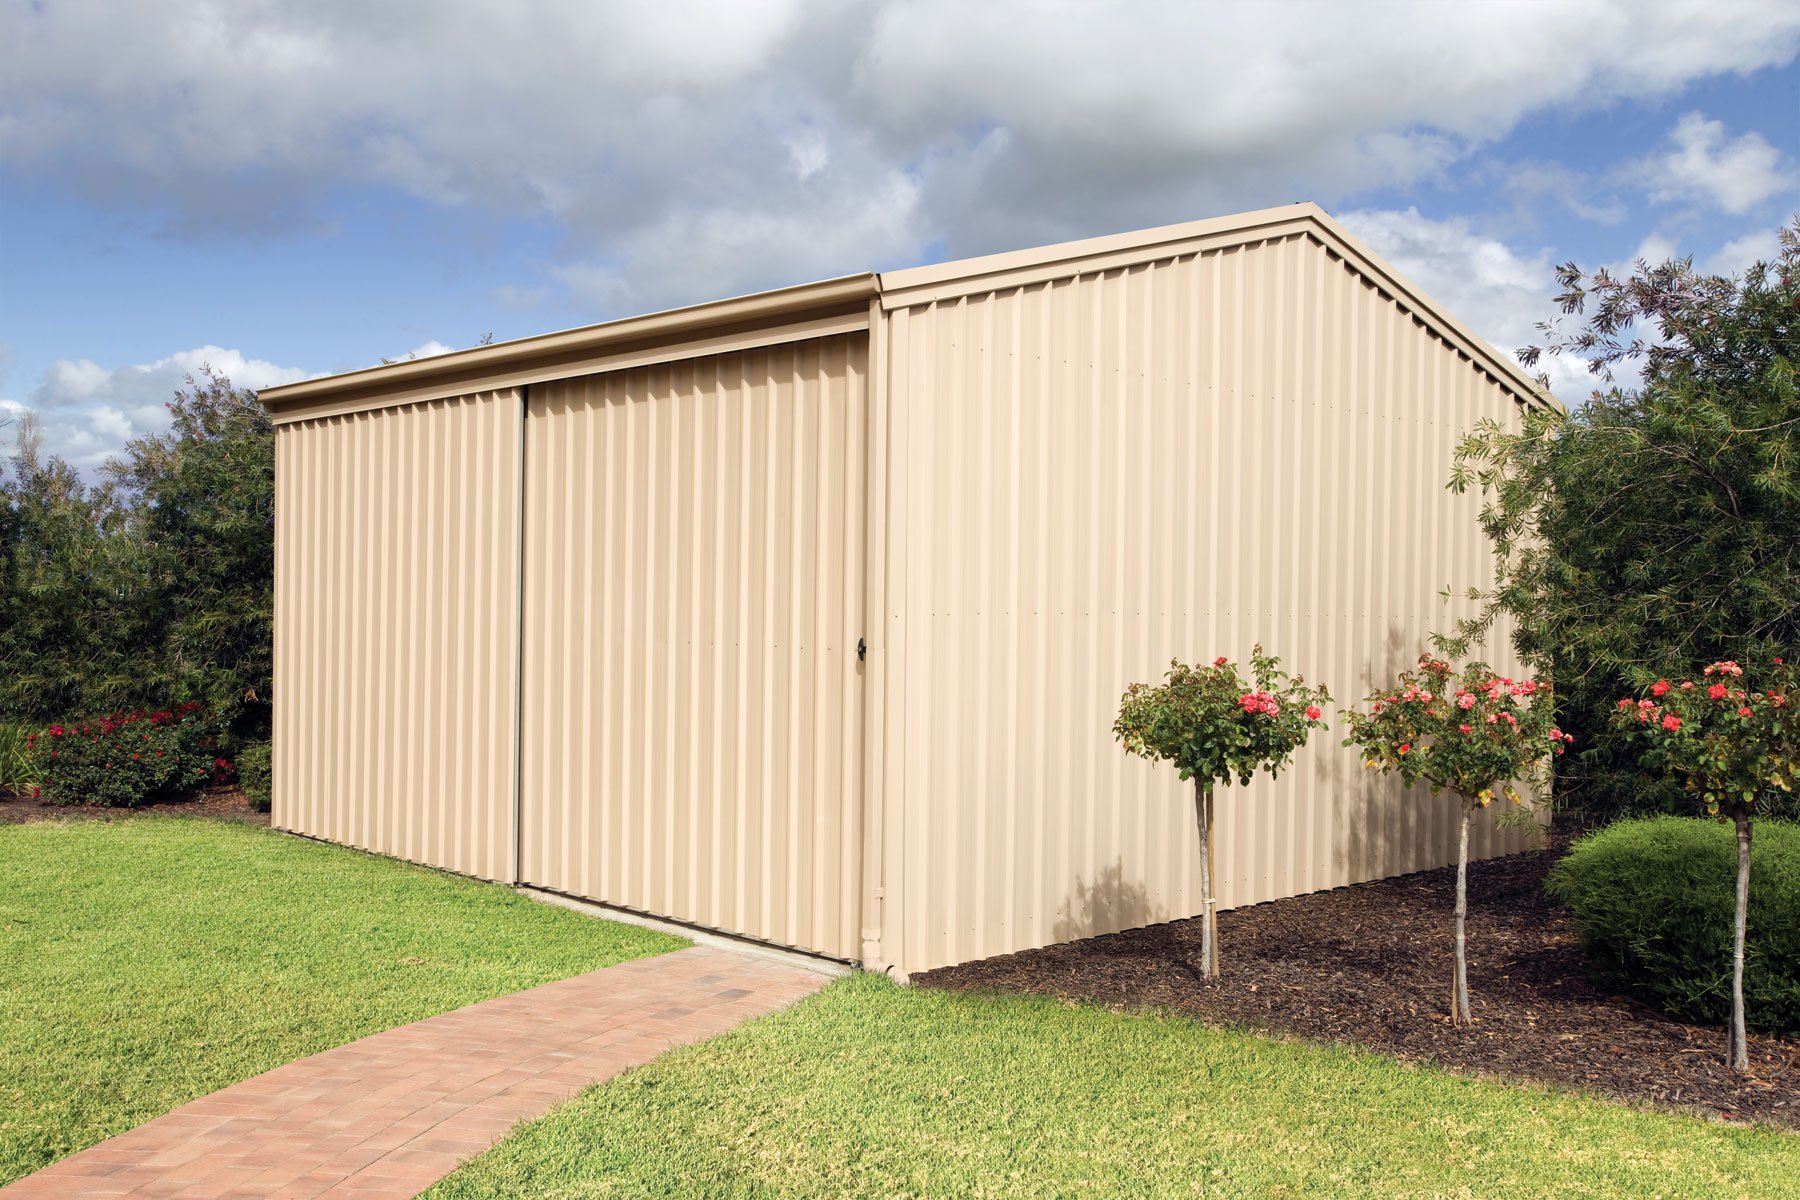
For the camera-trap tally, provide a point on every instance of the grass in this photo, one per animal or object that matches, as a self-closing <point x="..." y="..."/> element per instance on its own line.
<point x="152" y="960"/>
<point x="871" y="1090"/>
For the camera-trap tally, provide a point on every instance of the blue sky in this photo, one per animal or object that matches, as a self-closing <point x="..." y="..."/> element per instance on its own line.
<point x="284" y="189"/>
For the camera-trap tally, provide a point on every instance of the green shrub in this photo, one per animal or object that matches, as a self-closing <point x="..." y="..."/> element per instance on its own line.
<point x="253" y="774"/>
<point x="18" y="774"/>
<point x="1653" y="901"/>
<point x="126" y="759"/>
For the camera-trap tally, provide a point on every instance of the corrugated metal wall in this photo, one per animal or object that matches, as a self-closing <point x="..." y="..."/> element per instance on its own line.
<point x="694" y="571"/>
<point x="396" y="608"/>
<point x="1091" y="475"/>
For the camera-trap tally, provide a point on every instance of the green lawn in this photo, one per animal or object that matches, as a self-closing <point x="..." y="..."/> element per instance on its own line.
<point x="870" y="1090"/>
<point x="152" y="960"/>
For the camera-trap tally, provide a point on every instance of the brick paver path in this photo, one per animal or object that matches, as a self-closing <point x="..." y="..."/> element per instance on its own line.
<point x="392" y="1114"/>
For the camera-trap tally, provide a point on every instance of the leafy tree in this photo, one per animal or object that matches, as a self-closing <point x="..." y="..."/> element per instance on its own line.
<point x="1474" y="735"/>
<point x="151" y="587"/>
<point x="70" y="615"/>
<point x="1215" y="728"/>
<point x="1656" y="526"/>
<point x="202" y="499"/>
<point x="1735" y="747"/>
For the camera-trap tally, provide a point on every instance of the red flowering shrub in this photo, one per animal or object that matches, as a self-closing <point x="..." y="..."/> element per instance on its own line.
<point x="1735" y="744"/>
<point x="1474" y="736"/>
<point x="1214" y="727"/>
<point x="126" y="759"/>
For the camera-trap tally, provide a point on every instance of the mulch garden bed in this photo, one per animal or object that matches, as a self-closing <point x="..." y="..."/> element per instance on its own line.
<point x="221" y="803"/>
<point x="1370" y="965"/>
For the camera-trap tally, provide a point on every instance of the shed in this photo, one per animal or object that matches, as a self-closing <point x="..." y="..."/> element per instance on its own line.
<point x="804" y="616"/>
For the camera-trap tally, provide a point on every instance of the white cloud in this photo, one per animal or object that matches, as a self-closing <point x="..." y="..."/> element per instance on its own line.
<point x="77" y="380"/>
<point x="787" y="138"/>
<point x="1503" y="292"/>
<point x="1736" y="256"/>
<point x="89" y="411"/>
<point x="1498" y="291"/>
<point x="1703" y="165"/>
<point x="1582" y="193"/>
<point x="430" y="349"/>
<point x="809" y="153"/>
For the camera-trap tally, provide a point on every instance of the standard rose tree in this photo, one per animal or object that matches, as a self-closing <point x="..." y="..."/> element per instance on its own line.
<point x="1735" y="744"/>
<point x="1214" y="727"/>
<point x="1475" y="735"/>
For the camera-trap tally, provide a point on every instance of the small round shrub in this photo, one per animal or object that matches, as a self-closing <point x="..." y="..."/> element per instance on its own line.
<point x="253" y="768"/>
<point x="1653" y="901"/>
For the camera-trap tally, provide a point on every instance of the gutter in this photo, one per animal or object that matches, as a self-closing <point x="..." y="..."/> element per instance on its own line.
<point x="812" y="310"/>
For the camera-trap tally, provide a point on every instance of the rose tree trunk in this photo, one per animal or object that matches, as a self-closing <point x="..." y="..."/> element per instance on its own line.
<point x="1209" y="929"/>
<point x="1740" y="1049"/>
<point x="1459" y="984"/>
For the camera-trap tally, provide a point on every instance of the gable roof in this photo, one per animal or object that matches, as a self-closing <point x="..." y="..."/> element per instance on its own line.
<point x="842" y="305"/>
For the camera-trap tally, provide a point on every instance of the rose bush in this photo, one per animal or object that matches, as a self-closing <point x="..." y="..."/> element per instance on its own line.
<point x="1215" y="727"/>
<point x="127" y="759"/>
<point x="1475" y="733"/>
<point x="1734" y="743"/>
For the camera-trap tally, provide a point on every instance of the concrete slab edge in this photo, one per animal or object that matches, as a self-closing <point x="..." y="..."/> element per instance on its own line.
<point x="695" y="934"/>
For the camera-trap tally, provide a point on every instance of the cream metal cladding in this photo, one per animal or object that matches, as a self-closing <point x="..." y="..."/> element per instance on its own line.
<point x="1027" y="480"/>
<point x="1093" y="471"/>
<point x="692" y="722"/>
<point x="396" y="618"/>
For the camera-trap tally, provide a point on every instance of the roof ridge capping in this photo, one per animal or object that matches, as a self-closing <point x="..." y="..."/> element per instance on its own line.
<point x="920" y="285"/>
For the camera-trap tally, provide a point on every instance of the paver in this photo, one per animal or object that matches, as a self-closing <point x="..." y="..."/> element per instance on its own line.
<point x="392" y="1114"/>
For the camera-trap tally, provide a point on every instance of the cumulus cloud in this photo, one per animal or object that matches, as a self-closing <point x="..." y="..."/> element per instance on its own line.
<point x="430" y="349"/>
<point x="90" y="411"/>
<point x="1529" y="183"/>
<point x="685" y="151"/>
<point x="1503" y="292"/>
<point x="1736" y="256"/>
<point x="1500" y="292"/>
<point x="1704" y="165"/>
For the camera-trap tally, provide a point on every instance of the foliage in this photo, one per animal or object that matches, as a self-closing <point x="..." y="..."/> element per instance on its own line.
<point x="871" y="1090"/>
<point x="127" y="759"/>
<point x="1658" y="523"/>
<point x="155" y="582"/>
<point x="1213" y="726"/>
<point x="1735" y="746"/>
<point x="73" y="606"/>
<point x="1474" y="735"/>
<point x="1470" y="735"/>
<point x="253" y="770"/>
<point x="138" y="976"/>
<point x="18" y="772"/>
<point x="1652" y="901"/>
<point x="203" y="495"/>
